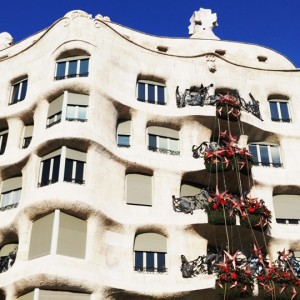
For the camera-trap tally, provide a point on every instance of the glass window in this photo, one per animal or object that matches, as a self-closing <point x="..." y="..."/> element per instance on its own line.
<point x="151" y="92"/>
<point x="19" y="91"/>
<point x="60" y="70"/>
<point x="84" y="67"/>
<point x="76" y="113"/>
<point x="3" y="141"/>
<point x="73" y="167"/>
<point x="74" y="170"/>
<point x="72" y="68"/>
<point x="138" y="263"/>
<point x="266" y="155"/>
<point x="123" y="133"/>
<point x="123" y="140"/>
<point x="163" y="144"/>
<point x="279" y="111"/>
<point x="150" y="251"/>
<point x="10" y="197"/>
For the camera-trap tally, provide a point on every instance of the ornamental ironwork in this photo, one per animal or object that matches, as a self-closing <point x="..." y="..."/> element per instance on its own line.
<point x="7" y="207"/>
<point x="199" y="96"/>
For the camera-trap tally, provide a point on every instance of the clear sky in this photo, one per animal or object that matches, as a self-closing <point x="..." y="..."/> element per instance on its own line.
<point x="271" y="23"/>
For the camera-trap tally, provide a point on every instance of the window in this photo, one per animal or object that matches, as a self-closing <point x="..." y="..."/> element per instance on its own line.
<point x="279" y="111"/>
<point x="287" y="209"/>
<point x="150" y="251"/>
<point x="64" y="164"/>
<point x="123" y="134"/>
<point x="76" y="113"/>
<point x="73" y="67"/>
<point x="265" y="155"/>
<point x="163" y="140"/>
<point x="27" y="136"/>
<point x="3" y="140"/>
<point x="19" y="90"/>
<point x="151" y="92"/>
<point x="39" y="294"/>
<point x="11" y="193"/>
<point x="139" y="189"/>
<point x="68" y="106"/>
<point x="8" y="255"/>
<point x="58" y="233"/>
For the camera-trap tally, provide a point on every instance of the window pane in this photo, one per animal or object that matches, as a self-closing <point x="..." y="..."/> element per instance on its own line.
<point x="161" y="95"/>
<point x="79" y="172"/>
<point x="71" y="110"/>
<point x="174" y="145"/>
<point x="264" y="155"/>
<point x="150" y="261"/>
<point x="123" y="140"/>
<point x="138" y="260"/>
<point x="161" y="262"/>
<point x="16" y="194"/>
<point x="84" y="67"/>
<point x="141" y="91"/>
<point x="275" y="156"/>
<point x="152" y="141"/>
<point x="15" y="93"/>
<point x="72" y="68"/>
<point x="61" y="70"/>
<point x="163" y="142"/>
<point x="82" y="112"/>
<point x="253" y="151"/>
<point x="3" y="143"/>
<point x="23" y="90"/>
<point x="5" y="199"/>
<point x="68" y="170"/>
<point x="274" y="111"/>
<point x="55" y="172"/>
<point x="284" y="112"/>
<point x="45" y="172"/>
<point x="151" y="93"/>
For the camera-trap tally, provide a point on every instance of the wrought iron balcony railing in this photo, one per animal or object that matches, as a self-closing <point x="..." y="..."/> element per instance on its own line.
<point x="8" y="207"/>
<point x="199" y="96"/>
<point x="86" y="74"/>
<point x="151" y="269"/>
<point x="76" y="120"/>
<point x="6" y="262"/>
<point x="164" y="151"/>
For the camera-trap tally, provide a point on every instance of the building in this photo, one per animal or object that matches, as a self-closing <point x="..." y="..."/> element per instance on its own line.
<point x="102" y="130"/>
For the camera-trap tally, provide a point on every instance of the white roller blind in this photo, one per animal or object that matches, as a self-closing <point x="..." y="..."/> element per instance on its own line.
<point x="55" y="106"/>
<point x="189" y="190"/>
<point x="28" y="130"/>
<point x="76" y="155"/>
<point x="153" y="242"/>
<point x="12" y="184"/>
<point x="124" y="127"/>
<point x="139" y="189"/>
<point x="287" y="206"/>
<point x="6" y="249"/>
<point x="71" y="236"/>
<point x="163" y="131"/>
<point x="78" y="99"/>
<point x="59" y="295"/>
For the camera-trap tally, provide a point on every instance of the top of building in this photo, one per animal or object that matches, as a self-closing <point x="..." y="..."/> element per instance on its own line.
<point x="202" y="23"/>
<point x="202" y="41"/>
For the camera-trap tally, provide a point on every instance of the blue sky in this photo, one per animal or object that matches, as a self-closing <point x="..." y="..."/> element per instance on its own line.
<point x="271" y="23"/>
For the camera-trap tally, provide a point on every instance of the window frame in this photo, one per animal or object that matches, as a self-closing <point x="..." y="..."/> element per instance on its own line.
<point x="259" y="161"/>
<point x="279" y="110"/>
<point x="147" y="99"/>
<point x="160" y="134"/>
<point x="21" y="94"/>
<point x="67" y="61"/>
<point x="62" y="155"/>
<point x="145" y="259"/>
<point x="76" y="117"/>
<point x="2" y="134"/>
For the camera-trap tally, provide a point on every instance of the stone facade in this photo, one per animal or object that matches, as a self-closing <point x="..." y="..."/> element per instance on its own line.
<point x="75" y="135"/>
